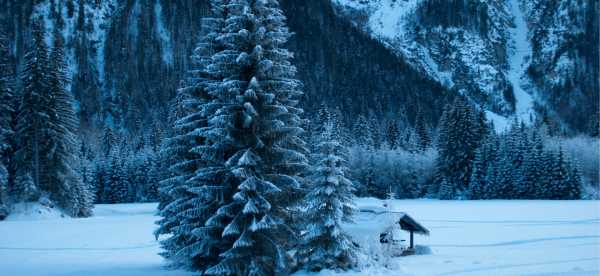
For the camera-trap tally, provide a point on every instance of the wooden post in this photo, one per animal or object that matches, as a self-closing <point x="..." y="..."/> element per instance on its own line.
<point x="411" y="240"/>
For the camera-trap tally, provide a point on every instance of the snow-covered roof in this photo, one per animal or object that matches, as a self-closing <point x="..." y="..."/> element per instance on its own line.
<point x="406" y="222"/>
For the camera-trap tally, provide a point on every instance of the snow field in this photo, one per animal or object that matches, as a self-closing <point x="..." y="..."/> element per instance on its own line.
<point x="467" y="238"/>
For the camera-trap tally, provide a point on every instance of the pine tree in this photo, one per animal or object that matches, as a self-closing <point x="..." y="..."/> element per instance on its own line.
<point x="574" y="184"/>
<point x="446" y="190"/>
<point x="518" y="146"/>
<point x="6" y="117"/>
<point x="478" y="181"/>
<point x="421" y="130"/>
<point x="544" y="185"/>
<point x="362" y="132"/>
<point x="392" y="135"/>
<point x="565" y="183"/>
<point x="259" y="124"/>
<point x="328" y="204"/>
<point x="33" y="112"/>
<point x="63" y="179"/>
<point x="459" y="137"/>
<point x="532" y="167"/>
<point x="558" y="176"/>
<point x="24" y="189"/>
<point x="116" y="185"/>
<point x="505" y="186"/>
<point x="375" y="132"/>
<point x="108" y="140"/>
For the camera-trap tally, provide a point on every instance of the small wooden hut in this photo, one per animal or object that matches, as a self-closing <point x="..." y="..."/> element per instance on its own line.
<point x="390" y="235"/>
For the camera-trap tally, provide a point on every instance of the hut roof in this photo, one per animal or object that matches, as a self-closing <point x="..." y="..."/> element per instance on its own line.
<point x="407" y="223"/>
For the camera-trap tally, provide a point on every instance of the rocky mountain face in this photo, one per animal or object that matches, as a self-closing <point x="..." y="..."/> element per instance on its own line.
<point x="381" y="58"/>
<point x="509" y="56"/>
<point x="564" y="62"/>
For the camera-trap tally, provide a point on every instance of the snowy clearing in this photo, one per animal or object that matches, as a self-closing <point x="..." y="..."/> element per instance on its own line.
<point x="467" y="238"/>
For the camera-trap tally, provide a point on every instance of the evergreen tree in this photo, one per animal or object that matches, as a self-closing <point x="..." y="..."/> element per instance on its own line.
<point x="421" y="130"/>
<point x="558" y="176"/>
<point x="259" y="125"/>
<point x="116" y="185"/>
<point x="545" y="182"/>
<point x="446" y="190"/>
<point x="532" y="167"/>
<point x="328" y="204"/>
<point x="33" y="112"/>
<point x="574" y="184"/>
<point x="24" y="189"/>
<point x="516" y="149"/>
<point x="392" y="135"/>
<point x="504" y="186"/>
<point x="362" y="132"/>
<point x="459" y="137"/>
<point x="6" y="117"/>
<point x="478" y="181"/>
<point x="374" y="131"/>
<point x="63" y="179"/>
<point x="108" y="140"/>
<point x="564" y="184"/>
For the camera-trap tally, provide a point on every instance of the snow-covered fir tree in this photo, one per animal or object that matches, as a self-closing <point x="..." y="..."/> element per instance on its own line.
<point x="116" y="180"/>
<point x="392" y="135"/>
<point x="532" y="167"/>
<point x="46" y="122"/>
<point x="423" y="136"/>
<point x="562" y="186"/>
<point x="362" y="132"/>
<point x="374" y="129"/>
<point x="460" y="133"/>
<point x="62" y="168"/>
<point x="575" y="182"/>
<point x="33" y="111"/>
<point x="477" y="182"/>
<point x="258" y="126"/>
<point x="328" y="204"/>
<point x="6" y="117"/>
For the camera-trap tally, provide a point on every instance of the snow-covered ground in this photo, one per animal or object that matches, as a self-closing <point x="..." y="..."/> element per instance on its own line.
<point x="118" y="240"/>
<point x="467" y="238"/>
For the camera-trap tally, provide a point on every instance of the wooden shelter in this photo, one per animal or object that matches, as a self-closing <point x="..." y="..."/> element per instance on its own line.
<point x="399" y="221"/>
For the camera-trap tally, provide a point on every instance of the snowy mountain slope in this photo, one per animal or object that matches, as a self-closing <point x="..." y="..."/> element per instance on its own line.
<point x="518" y="61"/>
<point x="565" y="59"/>
<point x="514" y="58"/>
<point x="469" y="55"/>
<point x="96" y="23"/>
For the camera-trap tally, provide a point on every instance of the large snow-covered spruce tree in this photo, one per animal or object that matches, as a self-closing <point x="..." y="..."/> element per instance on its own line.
<point x="44" y="132"/>
<point x="33" y="113"/>
<point x="258" y="124"/>
<point x="328" y="203"/>
<point x="63" y="179"/>
<point x="235" y="153"/>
